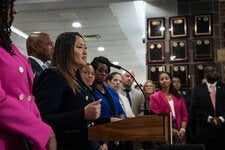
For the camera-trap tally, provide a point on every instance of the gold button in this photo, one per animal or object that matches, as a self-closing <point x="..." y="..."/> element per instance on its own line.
<point x="86" y="97"/>
<point x="21" y="70"/>
<point x="21" y="97"/>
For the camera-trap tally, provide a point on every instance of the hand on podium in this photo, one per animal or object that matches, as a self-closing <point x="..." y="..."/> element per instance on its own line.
<point x="114" y="119"/>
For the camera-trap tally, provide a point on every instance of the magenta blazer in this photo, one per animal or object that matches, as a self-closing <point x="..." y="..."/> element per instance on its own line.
<point x="19" y="116"/>
<point x="159" y="104"/>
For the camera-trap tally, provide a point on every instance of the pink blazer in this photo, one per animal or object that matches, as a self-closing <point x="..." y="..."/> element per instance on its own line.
<point x="159" y="104"/>
<point x="19" y="116"/>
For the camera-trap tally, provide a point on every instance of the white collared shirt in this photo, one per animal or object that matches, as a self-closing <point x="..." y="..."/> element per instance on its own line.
<point x="208" y="85"/>
<point x="172" y="108"/>
<point x="41" y="63"/>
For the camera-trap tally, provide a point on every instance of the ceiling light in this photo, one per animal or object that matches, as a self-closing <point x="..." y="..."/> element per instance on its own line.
<point x="76" y="24"/>
<point x="115" y="63"/>
<point x="93" y="37"/>
<point x="100" y="49"/>
<point x="19" y="32"/>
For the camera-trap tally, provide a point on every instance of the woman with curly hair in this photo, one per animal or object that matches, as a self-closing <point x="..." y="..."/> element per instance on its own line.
<point x="20" y="120"/>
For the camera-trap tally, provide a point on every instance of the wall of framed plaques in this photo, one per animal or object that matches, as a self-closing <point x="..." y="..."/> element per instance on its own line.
<point x="184" y="44"/>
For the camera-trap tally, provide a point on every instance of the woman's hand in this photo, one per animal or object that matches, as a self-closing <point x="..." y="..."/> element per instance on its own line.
<point x="103" y="147"/>
<point x="114" y="119"/>
<point x="52" y="144"/>
<point x="181" y="133"/>
<point x="175" y="133"/>
<point x="92" y="110"/>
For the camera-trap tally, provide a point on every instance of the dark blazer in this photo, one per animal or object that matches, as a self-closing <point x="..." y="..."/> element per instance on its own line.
<point x="37" y="71"/>
<point x="201" y="107"/>
<point x="63" y="109"/>
<point x="34" y="65"/>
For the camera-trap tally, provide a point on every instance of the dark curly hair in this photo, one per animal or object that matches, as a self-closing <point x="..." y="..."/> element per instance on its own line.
<point x="5" y="24"/>
<point x="100" y="59"/>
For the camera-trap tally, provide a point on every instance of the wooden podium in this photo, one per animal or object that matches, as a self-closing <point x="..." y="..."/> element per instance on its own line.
<point x="155" y="128"/>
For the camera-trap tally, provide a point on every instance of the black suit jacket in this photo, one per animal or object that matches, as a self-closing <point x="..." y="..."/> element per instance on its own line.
<point x="63" y="109"/>
<point x="35" y="66"/>
<point x="37" y="70"/>
<point x="201" y="108"/>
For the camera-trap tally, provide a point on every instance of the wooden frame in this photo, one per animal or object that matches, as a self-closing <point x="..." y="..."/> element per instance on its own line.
<point x="203" y="49"/>
<point x="155" y="52"/>
<point x="203" y="25"/>
<point x="178" y="27"/>
<point x="154" y="71"/>
<point x="155" y="28"/>
<point x="178" y="50"/>
<point x="181" y="71"/>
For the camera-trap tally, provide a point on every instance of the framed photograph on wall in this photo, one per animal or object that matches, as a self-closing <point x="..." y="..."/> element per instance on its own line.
<point x="178" y="27"/>
<point x="155" y="28"/>
<point x="155" y="52"/>
<point x="154" y="71"/>
<point x="203" y="49"/>
<point x="178" y="50"/>
<point x="181" y="71"/>
<point x="203" y="25"/>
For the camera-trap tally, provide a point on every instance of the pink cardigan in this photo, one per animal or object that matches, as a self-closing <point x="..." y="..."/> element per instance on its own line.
<point x="19" y="115"/>
<point x="159" y="104"/>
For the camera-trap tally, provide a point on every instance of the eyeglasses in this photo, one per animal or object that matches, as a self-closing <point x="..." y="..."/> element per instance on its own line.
<point x="102" y="70"/>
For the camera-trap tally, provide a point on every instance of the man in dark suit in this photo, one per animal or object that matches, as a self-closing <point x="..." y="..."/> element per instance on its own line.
<point x="208" y="111"/>
<point x="40" y="50"/>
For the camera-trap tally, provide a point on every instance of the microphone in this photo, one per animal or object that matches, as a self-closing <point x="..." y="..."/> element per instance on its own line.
<point x="108" y="63"/>
<point x="115" y="66"/>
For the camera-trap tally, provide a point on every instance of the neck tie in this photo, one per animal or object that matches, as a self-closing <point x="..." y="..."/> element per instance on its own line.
<point x="213" y="96"/>
<point x="128" y="95"/>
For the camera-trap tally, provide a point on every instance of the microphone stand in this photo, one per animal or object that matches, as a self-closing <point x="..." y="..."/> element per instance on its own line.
<point x="146" y="112"/>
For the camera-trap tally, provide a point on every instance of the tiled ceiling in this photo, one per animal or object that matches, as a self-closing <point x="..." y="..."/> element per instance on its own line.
<point x="116" y="21"/>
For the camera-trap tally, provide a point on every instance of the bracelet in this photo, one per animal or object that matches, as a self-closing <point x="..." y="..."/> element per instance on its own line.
<point x="182" y="129"/>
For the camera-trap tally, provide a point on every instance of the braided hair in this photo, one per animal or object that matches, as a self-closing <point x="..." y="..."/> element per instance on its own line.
<point x="6" y="19"/>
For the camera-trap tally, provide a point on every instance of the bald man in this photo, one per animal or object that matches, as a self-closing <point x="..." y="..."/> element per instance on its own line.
<point x="135" y="97"/>
<point x="40" y="49"/>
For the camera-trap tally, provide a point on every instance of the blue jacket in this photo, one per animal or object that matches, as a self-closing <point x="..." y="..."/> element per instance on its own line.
<point x="105" y="107"/>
